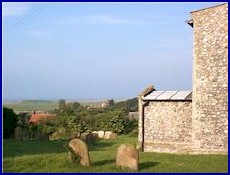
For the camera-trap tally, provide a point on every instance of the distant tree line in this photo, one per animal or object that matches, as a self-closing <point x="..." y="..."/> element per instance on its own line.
<point x="130" y="105"/>
<point x="76" y="118"/>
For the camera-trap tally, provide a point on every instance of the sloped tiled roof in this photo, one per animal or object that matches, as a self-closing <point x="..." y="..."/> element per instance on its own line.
<point x="169" y="95"/>
<point x="36" y="118"/>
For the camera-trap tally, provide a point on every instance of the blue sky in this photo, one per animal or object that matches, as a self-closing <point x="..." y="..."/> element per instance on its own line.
<point x="95" y="50"/>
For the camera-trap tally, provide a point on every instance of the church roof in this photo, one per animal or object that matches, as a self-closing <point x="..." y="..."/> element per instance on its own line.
<point x="169" y="95"/>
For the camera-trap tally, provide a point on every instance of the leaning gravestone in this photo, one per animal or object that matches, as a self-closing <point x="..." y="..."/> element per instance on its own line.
<point x="79" y="149"/>
<point x="127" y="157"/>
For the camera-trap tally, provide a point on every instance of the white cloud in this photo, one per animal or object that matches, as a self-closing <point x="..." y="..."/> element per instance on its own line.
<point x="14" y="8"/>
<point x="101" y="19"/>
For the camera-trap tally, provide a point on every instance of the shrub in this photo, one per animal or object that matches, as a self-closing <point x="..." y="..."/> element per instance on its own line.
<point x="9" y="122"/>
<point x="77" y="119"/>
<point x="114" y="120"/>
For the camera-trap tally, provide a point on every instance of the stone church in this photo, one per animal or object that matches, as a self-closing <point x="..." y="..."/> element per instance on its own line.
<point x="192" y="122"/>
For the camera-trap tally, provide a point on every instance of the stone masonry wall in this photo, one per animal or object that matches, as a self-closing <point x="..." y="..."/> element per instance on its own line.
<point x="210" y="80"/>
<point x="167" y="126"/>
<point x="140" y="124"/>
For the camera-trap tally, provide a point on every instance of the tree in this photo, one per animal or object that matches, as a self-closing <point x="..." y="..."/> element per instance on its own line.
<point x="23" y="119"/>
<point x="61" y="104"/>
<point x="130" y="105"/>
<point x="111" y="102"/>
<point x="9" y="122"/>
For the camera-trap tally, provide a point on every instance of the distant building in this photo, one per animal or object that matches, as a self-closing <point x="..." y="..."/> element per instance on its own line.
<point x="38" y="118"/>
<point x="193" y="122"/>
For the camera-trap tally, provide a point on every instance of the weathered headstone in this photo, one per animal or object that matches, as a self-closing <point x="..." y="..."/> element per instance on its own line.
<point x="101" y="134"/>
<point x="18" y="133"/>
<point x="38" y="135"/>
<point x="110" y="135"/>
<point x="127" y="157"/>
<point x="79" y="149"/>
<point x="88" y="138"/>
<point x="95" y="134"/>
<point x="25" y="133"/>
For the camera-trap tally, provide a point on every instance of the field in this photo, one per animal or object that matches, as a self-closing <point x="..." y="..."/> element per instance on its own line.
<point x="42" y="105"/>
<point x="51" y="156"/>
<point x="30" y="105"/>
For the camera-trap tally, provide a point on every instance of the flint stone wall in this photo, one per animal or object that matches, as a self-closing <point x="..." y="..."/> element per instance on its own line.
<point x="210" y="80"/>
<point x="167" y="126"/>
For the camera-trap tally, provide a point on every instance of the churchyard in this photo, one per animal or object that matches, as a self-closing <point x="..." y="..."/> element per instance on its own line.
<point x="160" y="131"/>
<point x="26" y="148"/>
<point x="52" y="156"/>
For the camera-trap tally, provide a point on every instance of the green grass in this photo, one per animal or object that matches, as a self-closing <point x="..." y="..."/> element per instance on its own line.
<point x="51" y="156"/>
<point x="30" y="105"/>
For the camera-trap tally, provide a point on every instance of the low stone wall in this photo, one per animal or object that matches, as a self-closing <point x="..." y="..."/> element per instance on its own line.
<point x="167" y="126"/>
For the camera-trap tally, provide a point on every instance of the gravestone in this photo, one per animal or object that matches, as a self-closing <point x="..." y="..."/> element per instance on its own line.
<point x="79" y="149"/>
<point x="18" y="133"/>
<point x="95" y="134"/>
<point x="37" y="135"/>
<point x="25" y="133"/>
<point x="88" y="138"/>
<point x="127" y="157"/>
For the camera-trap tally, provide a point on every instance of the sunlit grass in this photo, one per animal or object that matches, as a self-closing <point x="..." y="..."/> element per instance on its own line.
<point x="51" y="156"/>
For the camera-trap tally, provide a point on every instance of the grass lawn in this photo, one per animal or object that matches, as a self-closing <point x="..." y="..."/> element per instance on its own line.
<point x="51" y="156"/>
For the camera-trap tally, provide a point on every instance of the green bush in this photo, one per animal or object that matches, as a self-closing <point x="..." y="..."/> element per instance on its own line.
<point x="23" y="119"/>
<point x="47" y="127"/>
<point x="114" y="120"/>
<point x="9" y="122"/>
<point x="76" y="118"/>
